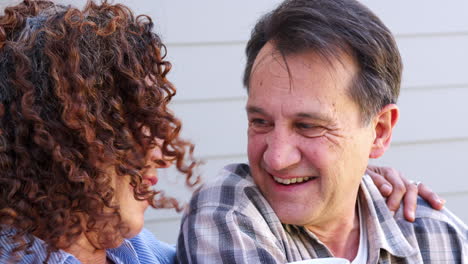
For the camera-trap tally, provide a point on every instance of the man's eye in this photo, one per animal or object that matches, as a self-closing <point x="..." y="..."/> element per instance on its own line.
<point x="259" y="122"/>
<point x="305" y="126"/>
<point x="259" y="125"/>
<point x="310" y="130"/>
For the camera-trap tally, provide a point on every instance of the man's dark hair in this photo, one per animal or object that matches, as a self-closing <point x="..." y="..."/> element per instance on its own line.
<point x="331" y="28"/>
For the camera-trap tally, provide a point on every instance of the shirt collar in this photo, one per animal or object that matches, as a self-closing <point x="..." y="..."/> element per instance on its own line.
<point x="383" y="231"/>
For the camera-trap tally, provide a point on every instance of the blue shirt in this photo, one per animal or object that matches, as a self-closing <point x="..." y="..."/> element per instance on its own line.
<point x="144" y="248"/>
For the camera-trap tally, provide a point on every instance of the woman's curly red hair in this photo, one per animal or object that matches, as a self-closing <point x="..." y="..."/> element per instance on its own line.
<point x="79" y="89"/>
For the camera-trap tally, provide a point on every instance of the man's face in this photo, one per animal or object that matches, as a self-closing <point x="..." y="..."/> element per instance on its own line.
<point x="308" y="147"/>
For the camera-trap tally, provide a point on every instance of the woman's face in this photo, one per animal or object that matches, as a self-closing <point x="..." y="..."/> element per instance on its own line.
<point x="131" y="210"/>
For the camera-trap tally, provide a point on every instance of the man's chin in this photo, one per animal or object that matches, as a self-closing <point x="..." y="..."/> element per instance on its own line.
<point x="287" y="220"/>
<point x="293" y="215"/>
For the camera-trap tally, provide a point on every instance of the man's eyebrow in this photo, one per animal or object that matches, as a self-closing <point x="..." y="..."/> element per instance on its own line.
<point x="254" y="110"/>
<point x="315" y="116"/>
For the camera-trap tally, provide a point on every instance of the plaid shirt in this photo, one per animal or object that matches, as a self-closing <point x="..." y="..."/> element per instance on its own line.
<point x="229" y="221"/>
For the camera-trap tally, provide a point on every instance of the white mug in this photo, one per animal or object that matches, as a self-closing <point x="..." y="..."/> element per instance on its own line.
<point x="322" y="261"/>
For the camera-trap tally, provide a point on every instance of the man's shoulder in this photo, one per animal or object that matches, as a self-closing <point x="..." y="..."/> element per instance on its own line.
<point x="233" y="187"/>
<point x="426" y="217"/>
<point x="438" y="236"/>
<point x="429" y="221"/>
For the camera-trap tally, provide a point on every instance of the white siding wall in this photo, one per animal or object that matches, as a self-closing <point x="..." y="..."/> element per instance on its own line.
<point x="206" y="40"/>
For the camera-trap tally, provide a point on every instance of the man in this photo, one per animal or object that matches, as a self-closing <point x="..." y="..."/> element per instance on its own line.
<point x="323" y="78"/>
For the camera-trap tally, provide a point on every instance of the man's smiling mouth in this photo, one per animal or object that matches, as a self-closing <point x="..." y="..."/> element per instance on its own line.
<point x="292" y="180"/>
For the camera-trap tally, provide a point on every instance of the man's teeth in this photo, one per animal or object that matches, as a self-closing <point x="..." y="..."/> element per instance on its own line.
<point x="292" y="180"/>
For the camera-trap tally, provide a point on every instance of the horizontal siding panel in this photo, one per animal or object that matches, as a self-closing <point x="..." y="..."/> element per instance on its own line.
<point x="416" y="17"/>
<point x="6" y="3"/>
<point x="217" y="128"/>
<point x="207" y="72"/>
<point x="161" y="214"/>
<point x="208" y="20"/>
<point x="432" y="114"/>
<point x="457" y="204"/>
<point x="434" y="61"/>
<point x="438" y="165"/>
<point x="165" y="230"/>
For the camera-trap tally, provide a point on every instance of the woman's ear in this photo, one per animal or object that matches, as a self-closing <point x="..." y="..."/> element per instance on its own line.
<point x="383" y="123"/>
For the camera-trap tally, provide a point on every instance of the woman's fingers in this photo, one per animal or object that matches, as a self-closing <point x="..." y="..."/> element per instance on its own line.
<point x="410" y="200"/>
<point x="431" y="197"/>
<point x="382" y="184"/>
<point x="398" y="189"/>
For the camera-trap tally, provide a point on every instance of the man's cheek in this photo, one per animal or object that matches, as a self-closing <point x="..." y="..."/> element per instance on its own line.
<point x="256" y="144"/>
<point x="321" y="152"/>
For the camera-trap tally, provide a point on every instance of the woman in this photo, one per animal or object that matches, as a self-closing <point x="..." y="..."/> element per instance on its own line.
<point x="84" y="126"/>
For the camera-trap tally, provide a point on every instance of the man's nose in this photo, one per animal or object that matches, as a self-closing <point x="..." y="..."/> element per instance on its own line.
<point x="282" y="151"/>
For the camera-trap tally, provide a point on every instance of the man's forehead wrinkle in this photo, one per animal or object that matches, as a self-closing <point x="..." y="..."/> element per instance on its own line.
<point x="259" y="62"/>
<point x="307" y="65"/>
<point x="273" y="62"/>
<point x="280" y="60"/>
<point x="264" y="58"/>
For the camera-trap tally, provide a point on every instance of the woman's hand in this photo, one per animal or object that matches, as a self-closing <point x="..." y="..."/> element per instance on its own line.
<point x="395" y="187"/>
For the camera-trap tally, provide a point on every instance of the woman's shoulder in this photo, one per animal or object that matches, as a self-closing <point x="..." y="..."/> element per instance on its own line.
<point x="36" y="252"/>
<point x="151" y="250"/>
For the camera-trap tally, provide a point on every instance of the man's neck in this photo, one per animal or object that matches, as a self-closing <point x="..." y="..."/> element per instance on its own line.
<point x="340" y="236"/>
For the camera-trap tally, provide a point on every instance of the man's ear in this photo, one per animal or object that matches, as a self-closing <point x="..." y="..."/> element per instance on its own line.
<point x="383" y="124"/>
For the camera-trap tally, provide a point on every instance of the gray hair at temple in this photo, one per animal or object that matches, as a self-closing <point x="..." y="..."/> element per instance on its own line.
<point x="329" y="28"/>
